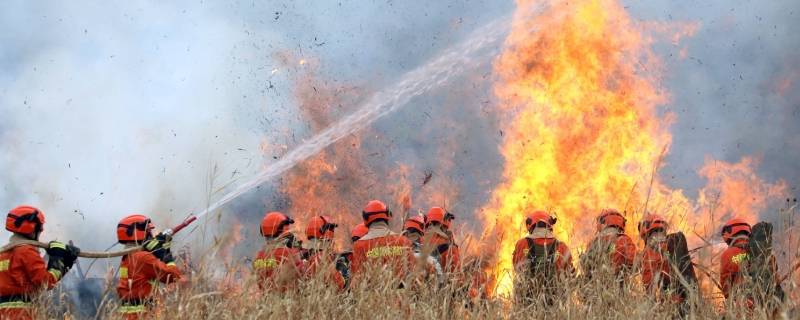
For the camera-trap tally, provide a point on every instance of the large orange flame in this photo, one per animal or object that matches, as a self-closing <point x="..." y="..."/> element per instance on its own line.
<point x="579" y="86"/>
<point x="583" y="131"/>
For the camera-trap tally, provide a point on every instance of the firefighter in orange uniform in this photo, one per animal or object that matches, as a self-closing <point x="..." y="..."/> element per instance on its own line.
<point x="541" y="261"/>
<point x="439" y="240"/>
<point x="141" y="272"/>
<point x="656" y="270"/>
<point x="279" y="264"/>
<point x="736" y="233"/>
<point x="380" y="246"/>
<point x="611" y="250"/>
<point x="23" y="273"/>
<point x="413" y="230"/>
<point x="319" y="250"/>
<point x="359" y="231"/>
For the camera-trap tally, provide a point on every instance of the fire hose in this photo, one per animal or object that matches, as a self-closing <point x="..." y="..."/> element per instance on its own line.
<point x="101" y="255"/>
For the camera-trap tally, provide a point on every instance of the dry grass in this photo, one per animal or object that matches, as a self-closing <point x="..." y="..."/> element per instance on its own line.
<point x="233" y="294"/>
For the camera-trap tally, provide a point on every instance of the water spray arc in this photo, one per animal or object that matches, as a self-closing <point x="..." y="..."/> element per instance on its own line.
<point x="478" y="48"/>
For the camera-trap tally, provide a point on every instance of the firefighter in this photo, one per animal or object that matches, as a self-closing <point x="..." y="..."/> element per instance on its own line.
<point x="413" y="230"/>
<point x="439" y="241"/>
<point x="23" y="273"/>
<point x="319" y="252"/>
<point x="279" y="264"/>
<point x="735" y="262"/>
<point x="541" y="262"/>
<point x="380" y="246"/>
<point x="359" y="231"/>
<point x="141" y="272"/>
<point x="657" y="274"/>
<point x="344" y="260"/>
<point x="612" y="251"/>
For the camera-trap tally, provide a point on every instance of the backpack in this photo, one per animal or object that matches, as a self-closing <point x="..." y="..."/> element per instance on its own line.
<point x="680" y="259"/>
<point x="542" y="259"/>
<point x="759" y="267"/>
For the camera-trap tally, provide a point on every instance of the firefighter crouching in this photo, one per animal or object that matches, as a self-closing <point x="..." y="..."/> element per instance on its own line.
<point x="541" y="262"/>
<point x="279" y="264"/>
<point x="141" y="272"/>
<point x="380" y="248"/>
<point x="23" y="273"/>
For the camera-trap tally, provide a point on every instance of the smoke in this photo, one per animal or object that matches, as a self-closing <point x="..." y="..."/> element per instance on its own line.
<point x="109" y="111"/>
<point x="734" y="87"/>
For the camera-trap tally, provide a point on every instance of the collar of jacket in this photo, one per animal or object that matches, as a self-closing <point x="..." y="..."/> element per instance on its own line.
<point x="378" y="230"/>
<point x="437" y="230"/>
<point x="540" y="233"/>
<point x="609" y="231"/>
<point x="16" y="239"/>
<point x="657" y="240"/>
<point x="316" y="244"/>
<point x="279" y="242"/>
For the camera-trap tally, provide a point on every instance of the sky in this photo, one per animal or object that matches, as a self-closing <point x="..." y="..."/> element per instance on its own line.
<point x="114" y="108"/>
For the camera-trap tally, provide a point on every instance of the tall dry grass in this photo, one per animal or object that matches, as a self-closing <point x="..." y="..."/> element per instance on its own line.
<point x="233" y="293"/>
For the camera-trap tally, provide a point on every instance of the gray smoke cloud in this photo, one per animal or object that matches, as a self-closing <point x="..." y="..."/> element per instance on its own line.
<point x="735" y="93"/>
<point x="111" y="109"/>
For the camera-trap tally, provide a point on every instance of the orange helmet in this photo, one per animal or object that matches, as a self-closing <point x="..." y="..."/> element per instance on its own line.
<point x="274" y="224"/>
<point x="25" y="220"/>
<point x="610" y="218"/>
<point x="375" y="211"/>
<point x="134" y="228"/>
<point x="415" y="223"/>
<point x="359" y="231"/>
<point x="650" y="223"/>
<point x="733" y="228"/>
<point x="320" y="227"/>
<point x="539" y="219"/>
<point x="437" y="214"/>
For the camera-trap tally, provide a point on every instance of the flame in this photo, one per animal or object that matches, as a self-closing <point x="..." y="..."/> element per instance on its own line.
<point x="583" y="130"/>
<point x="579" y="87"/>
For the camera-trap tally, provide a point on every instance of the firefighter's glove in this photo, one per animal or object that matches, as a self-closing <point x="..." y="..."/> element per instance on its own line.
<point x="62" y="257"/>
<point x="160" y="247"/>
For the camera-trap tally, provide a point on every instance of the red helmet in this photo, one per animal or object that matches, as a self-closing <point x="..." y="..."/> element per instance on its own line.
<point x="134" y="228"/>
<point x="374" y="211"/>
<point x="610" y="218"/>
<point x="733" y="228"/>
<point x="650" y="223"/>
<point x="320" y="227"/>
<point x="539" y="218"/>
<point x="415" y="223"/>
<point x="359" y="231"/>
<point x="274" y="224"/>
<point x="25" y="220"/>
<point x="437" y="214"/>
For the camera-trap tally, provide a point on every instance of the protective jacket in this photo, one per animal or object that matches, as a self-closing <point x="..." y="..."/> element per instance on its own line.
<point x="278" y="266"/>
<point x="380" y="247"/>
<point x="320" y="258"/>
<point x="23" y="275"/>
<point x="139" y="276"/>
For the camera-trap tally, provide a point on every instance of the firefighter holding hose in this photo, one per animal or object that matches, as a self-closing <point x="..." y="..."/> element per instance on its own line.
<point x="140" y="272"/>
<point x="23" y="272"/>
